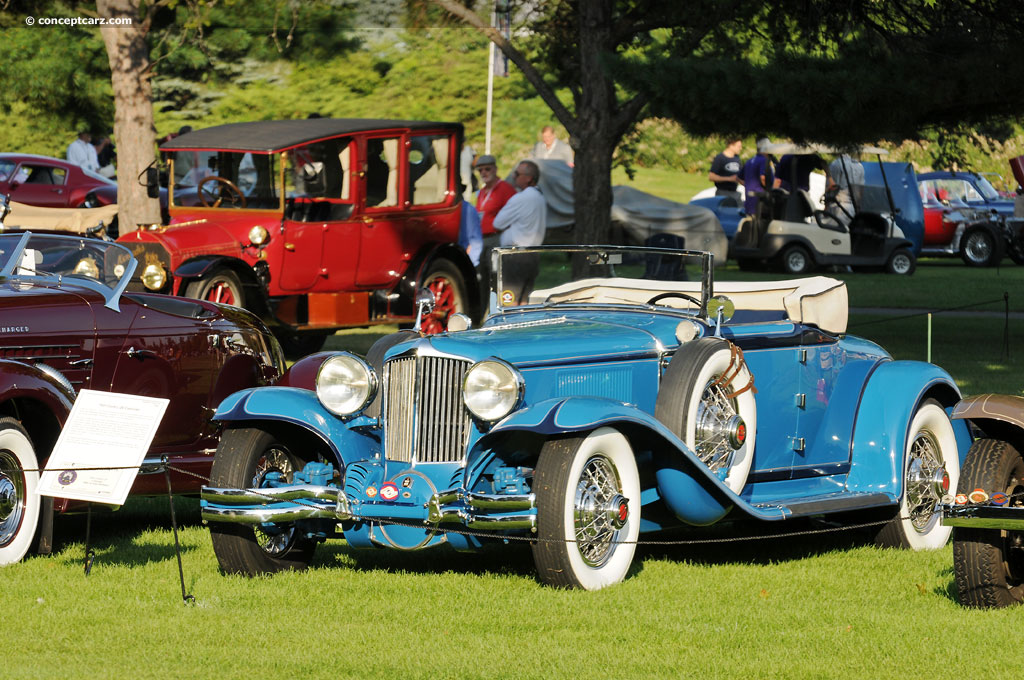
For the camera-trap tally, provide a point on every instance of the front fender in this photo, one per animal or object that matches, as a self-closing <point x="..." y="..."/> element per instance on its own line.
<point x="695" y="494"/>
<point x="300" y="408"/>
<point x="892" y="395"/>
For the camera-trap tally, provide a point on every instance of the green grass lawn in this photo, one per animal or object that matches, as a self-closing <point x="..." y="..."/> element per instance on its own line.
<point x="830" y="606"/>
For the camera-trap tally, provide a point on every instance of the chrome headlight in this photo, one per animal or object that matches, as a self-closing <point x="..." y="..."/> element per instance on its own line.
<point x="87" y="267"/>
<point x="345" y="384"/>
<point x="492" y="389"/>
<point x="258" y="235"/>
<point x="154" y="277"/>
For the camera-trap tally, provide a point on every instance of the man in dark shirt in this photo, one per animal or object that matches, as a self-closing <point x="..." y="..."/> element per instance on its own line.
<point x="725" y="169"/>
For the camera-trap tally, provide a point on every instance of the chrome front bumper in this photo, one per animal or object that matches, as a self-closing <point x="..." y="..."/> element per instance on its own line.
<point x="496" y="512"/>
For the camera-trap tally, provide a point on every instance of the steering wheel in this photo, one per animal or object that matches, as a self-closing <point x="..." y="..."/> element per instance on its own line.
<point x="673" y="294"/>
<point x="236" y="194"/>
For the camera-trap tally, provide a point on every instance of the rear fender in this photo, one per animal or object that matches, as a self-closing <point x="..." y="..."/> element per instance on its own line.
<point x="300" y="408"/>
<point x="892" y="395"/>
<point x="687" y="486"/>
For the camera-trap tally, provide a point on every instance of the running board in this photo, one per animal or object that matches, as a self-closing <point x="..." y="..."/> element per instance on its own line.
<point x="828" y="503"/>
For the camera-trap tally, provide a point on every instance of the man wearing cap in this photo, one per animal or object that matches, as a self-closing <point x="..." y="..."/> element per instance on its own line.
<point x="493" y="195"/>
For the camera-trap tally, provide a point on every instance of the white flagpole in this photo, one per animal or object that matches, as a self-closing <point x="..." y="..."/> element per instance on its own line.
<point x="490" y="87"/>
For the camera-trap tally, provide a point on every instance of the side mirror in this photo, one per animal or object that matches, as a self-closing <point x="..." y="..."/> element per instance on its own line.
<point x="424" y="305"/>
<point x="721" y="309"/>
<point x="152" y="182"/>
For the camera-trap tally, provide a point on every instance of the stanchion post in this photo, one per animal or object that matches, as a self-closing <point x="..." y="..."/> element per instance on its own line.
<point x="1006" y="324"/>
<point x="90" y="554"/>
<point x="929" y="352"/>
<point x="185" y="597"/>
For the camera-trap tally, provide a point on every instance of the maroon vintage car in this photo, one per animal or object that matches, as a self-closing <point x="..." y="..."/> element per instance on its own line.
<point x="66" y="323"/>
<point x="314" y="224"/>
<point x="53" y="183"/>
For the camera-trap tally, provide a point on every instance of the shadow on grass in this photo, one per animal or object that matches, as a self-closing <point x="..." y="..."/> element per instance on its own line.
<point x="117" y="536"/>
<point x="753" y="543"/>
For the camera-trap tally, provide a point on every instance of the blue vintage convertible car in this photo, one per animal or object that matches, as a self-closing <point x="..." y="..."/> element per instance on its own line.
<point x="614" y="400"/>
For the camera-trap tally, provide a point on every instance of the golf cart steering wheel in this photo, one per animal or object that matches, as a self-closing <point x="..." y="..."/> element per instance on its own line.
<point x="236" y="194"/>
<point x="673" y="294"/>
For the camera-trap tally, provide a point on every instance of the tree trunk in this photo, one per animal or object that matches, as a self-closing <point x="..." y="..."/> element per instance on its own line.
<point x="595" y="137"/>
<point x="134" y="133"/>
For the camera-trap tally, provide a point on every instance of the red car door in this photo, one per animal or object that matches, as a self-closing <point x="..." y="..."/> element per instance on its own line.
<point x="38" y="183"/>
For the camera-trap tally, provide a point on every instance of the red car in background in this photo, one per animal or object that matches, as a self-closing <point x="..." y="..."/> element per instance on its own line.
<point x="314" y="224"/>
<point x="53" y="183"/>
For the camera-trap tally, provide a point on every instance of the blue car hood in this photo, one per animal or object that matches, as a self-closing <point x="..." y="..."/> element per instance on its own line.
<point x="551" y="340"/>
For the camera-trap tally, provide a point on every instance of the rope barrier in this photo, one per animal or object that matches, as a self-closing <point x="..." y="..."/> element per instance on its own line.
<point x="898" y="317"/>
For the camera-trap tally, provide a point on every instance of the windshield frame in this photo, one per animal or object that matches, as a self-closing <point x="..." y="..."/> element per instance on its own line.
<point x="705" y="259"/>
<point x="111" y="294"/>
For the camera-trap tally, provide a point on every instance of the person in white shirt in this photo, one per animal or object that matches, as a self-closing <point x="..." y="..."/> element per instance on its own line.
<point x="522" y="222"/>
<point x="551" y="148"/>
<point x="81" y="152"/>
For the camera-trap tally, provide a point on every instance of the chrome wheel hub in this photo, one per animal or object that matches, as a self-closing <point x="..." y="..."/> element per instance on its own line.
<point x="978" y="247"/>
<point x="927" y="481"/>
<point x="271" y="538"/>
<point x="600" y="511"/>
<point x="720" y="430"/>
<point x="12" y="497"/>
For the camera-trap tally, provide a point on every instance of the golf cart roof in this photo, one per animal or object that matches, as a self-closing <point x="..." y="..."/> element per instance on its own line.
<point x="783" y="148"/>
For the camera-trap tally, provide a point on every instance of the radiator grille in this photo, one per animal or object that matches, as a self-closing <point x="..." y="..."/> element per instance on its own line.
<point x="424" y="418"/>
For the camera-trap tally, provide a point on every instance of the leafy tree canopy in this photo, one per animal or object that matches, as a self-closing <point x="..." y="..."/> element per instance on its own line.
<point x="842" y="73"/>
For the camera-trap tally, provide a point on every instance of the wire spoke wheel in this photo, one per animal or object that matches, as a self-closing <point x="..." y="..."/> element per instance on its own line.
<point x="588" y="510"/>
<point x="598" y="489"/>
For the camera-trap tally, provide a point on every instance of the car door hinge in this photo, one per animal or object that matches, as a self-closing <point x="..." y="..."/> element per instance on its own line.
<point x="798" y="444"/>
<point x="802" y="356"/>
<point x="801" y="400"/>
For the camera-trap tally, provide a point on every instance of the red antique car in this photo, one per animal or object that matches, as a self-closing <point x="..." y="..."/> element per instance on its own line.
<point x="51" y="182"/>
<point x="314" y="224"/>
<point x="67" y="324"/>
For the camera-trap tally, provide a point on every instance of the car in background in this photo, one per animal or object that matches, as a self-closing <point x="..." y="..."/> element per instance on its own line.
<point x="971" y="188"/>
<point x="987" y="513"/>
<point x="68" y="324"/>
<point x="966" y="216"/>
<point x="314" y="224"/>
<point x="51" y="182"/>
<point x="616" y="402"/>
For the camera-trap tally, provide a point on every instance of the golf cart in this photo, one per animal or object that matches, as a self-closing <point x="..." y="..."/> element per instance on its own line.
<point x="791" y="230"/>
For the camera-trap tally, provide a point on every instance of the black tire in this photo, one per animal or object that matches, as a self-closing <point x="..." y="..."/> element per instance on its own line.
<point x="981" y="247"/>
<point x="298" y="345"/>
<point x="796" y="260"/>
<point x="989" y="563"/>
<point x="19" y="497"/>
<point x="222" y="286"/>
<point x="1016" y="253"/>
<point x="931" y="441"/>
<point x="688" y="398"/>
<point x="243" y="459"/>
<point x="445" y="281"/>
<point x="902" y="262"/>
<point x="375" y="357"/>
<point x="588" y="510"/>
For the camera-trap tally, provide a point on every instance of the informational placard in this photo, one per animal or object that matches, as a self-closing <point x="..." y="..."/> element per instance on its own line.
<point x="101" y="447"/>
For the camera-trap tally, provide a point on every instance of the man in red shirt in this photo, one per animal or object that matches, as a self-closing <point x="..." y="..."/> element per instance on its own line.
<point x="493" y="195"/>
